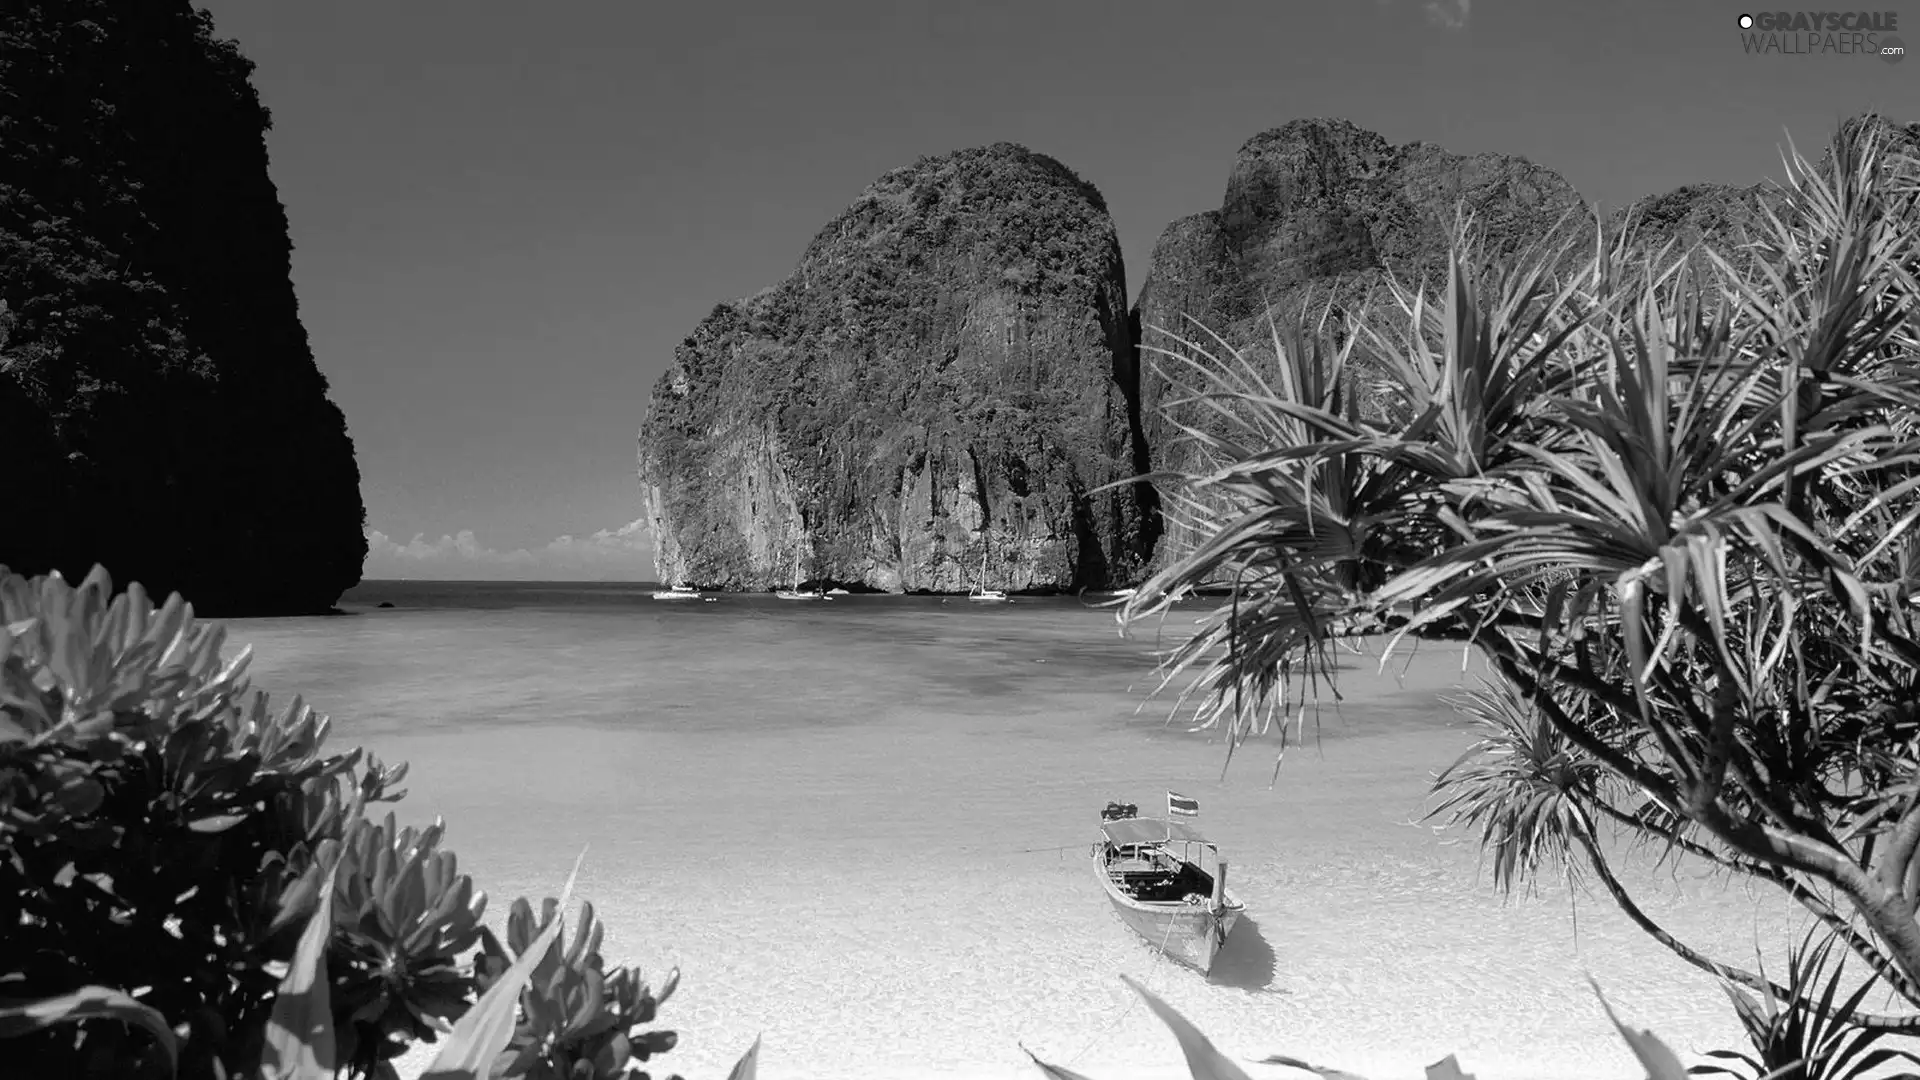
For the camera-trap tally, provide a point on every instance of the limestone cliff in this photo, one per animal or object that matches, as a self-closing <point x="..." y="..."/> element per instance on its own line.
<point x="947" y="372"/>
<point x="943" y="381"/>
<point x="162" y="410"/>
<point x="1325" y="208"/>
<point x="1726" y="218"/>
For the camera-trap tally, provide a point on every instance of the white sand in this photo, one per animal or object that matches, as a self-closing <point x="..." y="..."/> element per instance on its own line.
<point x="836" y="866"/>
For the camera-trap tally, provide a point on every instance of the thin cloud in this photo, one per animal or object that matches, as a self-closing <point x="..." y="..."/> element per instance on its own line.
<point x="623" y="554"/>
<point x="1450" y="14"/>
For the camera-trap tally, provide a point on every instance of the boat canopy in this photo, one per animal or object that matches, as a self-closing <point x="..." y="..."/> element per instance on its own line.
<point x="1150" y="831"/>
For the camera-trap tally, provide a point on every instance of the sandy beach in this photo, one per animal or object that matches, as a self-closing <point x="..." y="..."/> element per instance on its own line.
<point x="826" y="827"/>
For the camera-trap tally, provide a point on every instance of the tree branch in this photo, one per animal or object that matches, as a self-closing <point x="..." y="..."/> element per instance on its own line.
<point x="1862" y="945"/>
<point x="1896" y="860"/>
<point x="1878" y="1021"/>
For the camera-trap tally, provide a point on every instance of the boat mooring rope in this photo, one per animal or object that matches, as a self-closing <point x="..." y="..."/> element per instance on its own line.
<point x="1134" y="999"/>
<point x="1062" y="847"/>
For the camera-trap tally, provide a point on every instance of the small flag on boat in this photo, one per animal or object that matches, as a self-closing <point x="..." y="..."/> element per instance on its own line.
<point x="1179" y="805"/>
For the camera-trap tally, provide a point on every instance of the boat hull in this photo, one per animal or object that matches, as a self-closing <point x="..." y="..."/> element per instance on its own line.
<point x="1188" y="934"/>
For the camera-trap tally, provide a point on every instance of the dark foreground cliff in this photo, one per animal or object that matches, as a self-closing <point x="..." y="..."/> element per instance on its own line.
<point x="941" y="383"/>
<point x="162" y="411"/>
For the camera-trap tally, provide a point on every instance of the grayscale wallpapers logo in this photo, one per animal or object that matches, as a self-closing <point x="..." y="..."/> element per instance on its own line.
<point x="1835" y="33"/>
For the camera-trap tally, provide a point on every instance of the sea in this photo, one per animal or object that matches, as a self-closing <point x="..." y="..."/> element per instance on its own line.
<point x="860" y="830"/>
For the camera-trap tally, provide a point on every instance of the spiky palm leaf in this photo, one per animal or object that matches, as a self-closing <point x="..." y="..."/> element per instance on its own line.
<point x="1521" y="784"/>
<point x="1804" y="1034"/>
<point x="1679" y="521"/>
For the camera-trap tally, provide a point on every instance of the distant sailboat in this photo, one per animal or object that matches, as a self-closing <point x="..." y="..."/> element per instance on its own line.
<point x="982" y="593"/>
<point x="795" y="593"/>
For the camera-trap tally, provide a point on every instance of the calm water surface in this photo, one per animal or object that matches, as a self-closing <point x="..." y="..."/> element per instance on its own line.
<point x="824" y="814"/>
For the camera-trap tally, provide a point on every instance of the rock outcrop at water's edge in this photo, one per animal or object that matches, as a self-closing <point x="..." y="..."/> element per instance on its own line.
<point x="162" y="410"/>
<point x="946" y="378"/>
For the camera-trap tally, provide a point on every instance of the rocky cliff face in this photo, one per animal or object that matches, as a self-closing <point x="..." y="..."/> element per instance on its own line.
<point x="942" y="382"/>
<point x="946" y="373"/>
<point x="1322" y="209"/>
<point x="163" y="412"/>
<point x="1325" y="204"/>
<point x="1726" y="218"/>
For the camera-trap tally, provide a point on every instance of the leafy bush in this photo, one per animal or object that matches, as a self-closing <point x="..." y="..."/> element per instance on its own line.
<point x="169" y="845"/>
<point x="1803" y="1034"/>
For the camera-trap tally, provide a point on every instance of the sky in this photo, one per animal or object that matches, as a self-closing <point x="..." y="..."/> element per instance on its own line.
<point x="505" y="215"/>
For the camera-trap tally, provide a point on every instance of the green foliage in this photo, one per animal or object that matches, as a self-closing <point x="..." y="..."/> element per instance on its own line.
<point x="1520" y="785"/>
<point x="150" y="812"/>
<point x="1802" y="1034"/>
<point x="1203" y="1060"/>
<point x="300" y="1042"/>
<point x="90" y="1002"/>
<point x="403" y="919"/>
<point x="187" y="876"/>
<point x="748" y="1067"/>
<point x="1206" y="1062"/>
<point x="1676" y="512"/>
<point x="577" y="1017"/>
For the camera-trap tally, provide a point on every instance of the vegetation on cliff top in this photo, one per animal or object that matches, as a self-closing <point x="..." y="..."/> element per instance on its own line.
<point x="160" y="399"/>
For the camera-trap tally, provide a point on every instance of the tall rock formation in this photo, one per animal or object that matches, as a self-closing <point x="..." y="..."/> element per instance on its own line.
<point x="1320" y="211"/>
<point x="943" y="381"/>
<point x="163" y="413"/>
<point x="947" y="373"/>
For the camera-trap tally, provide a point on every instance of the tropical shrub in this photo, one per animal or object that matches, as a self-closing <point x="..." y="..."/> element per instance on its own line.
<point x="1806" y="1034"/>
<point x="170" y="844"/>
<point x="1676" y="514"/>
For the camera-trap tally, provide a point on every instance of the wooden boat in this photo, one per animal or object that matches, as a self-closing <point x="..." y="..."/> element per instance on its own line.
<point x="678" y="592"/>
<point x="1168" y="883"/>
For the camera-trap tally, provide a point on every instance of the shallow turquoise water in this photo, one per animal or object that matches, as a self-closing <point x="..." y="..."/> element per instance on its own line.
<point x="822" y="814"/>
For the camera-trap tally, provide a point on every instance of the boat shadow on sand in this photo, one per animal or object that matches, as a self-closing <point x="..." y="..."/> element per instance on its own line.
<point x="1246" y="962"/>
